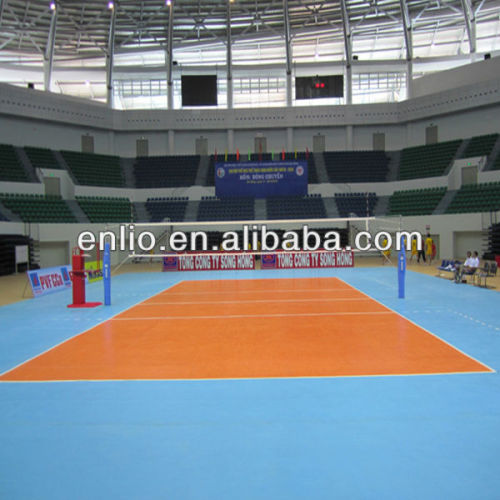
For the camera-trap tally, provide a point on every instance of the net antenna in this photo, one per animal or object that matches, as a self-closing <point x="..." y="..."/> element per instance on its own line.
<point x="161" y="232"/>
<point x="387" y="224"/>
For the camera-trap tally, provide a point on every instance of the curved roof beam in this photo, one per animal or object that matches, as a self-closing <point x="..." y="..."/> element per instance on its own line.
<point x="470" y="24"/>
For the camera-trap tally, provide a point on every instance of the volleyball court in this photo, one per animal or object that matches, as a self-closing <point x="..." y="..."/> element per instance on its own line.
<point x="264" y="324"/>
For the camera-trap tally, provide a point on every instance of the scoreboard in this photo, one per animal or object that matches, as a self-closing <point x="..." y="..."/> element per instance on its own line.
<point x="319" y="87"/>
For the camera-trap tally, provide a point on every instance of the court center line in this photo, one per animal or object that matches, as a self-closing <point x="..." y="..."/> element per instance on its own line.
<point x="257" y="301"/>
<point x="238" y="316"/>
<point x="218" y="292"/>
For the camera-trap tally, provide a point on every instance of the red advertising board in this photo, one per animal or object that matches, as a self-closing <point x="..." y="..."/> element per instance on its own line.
<point x="243" y="261"/>
<point x="308" y="260"/>
<point x="209" y="262"/>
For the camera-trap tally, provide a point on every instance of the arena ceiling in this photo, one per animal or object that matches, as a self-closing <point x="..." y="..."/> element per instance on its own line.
<point x="201" y="25"/>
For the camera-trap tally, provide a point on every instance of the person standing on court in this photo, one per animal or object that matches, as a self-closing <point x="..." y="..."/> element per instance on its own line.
<point x="414" y="250"/>
<point x="421" y="251"/>
<point x="428" y="248"/>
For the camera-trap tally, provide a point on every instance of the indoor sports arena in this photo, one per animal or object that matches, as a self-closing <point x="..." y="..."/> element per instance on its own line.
<point x="249" y="249"/>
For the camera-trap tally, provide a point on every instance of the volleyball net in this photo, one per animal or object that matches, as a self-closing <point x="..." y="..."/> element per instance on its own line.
<point x="325" y="239"/>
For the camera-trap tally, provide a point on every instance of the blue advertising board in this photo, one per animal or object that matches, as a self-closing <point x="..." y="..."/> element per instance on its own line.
<point x="54" y="279"/>
<point x="261" y="179"/>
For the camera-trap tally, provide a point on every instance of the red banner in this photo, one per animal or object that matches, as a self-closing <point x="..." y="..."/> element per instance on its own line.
<point x="243" y="261"/>
<point x="308" y="260"/>
<point x="211" y="262"/>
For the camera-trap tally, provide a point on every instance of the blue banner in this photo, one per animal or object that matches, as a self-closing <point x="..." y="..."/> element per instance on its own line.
<point x="54" y="279"/>
<point x="261" y="179"/>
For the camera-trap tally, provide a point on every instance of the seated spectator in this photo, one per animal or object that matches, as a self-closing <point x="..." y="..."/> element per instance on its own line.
<point x="475" y="258"/>
<point x="452" y="267"/>
<point x="469" y="267"/>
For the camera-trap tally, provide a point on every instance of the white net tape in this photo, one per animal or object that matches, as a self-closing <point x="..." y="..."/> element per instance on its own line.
<point x="347" y="227"/>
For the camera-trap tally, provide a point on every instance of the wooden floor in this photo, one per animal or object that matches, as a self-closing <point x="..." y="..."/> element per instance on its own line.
<point x="14" y="288"/>
<point x="262" y="328"/>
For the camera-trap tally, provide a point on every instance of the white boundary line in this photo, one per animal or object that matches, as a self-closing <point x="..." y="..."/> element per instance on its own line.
<point x="250" y="379"/>
<point x="319" y="299"/>
<point x="258" y="316"/>
<point x="253" y="379"/>
<point x="424" y="329"/>
<point x="78" y="335"/>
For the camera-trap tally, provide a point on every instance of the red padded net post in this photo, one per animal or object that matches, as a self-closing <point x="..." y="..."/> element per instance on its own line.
<point x="79" y="275"/>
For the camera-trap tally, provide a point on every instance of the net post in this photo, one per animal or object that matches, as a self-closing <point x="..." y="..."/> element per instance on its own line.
<point x="106" y="264"/>
<point x="79" y="277"/>
<point x="401" y="269"/>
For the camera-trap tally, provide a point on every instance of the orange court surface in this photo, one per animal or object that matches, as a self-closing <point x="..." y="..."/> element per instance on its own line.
<point x="259" y="328"/>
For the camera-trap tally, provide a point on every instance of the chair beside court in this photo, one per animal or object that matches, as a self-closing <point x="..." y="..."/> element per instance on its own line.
<point x="476" y="277"/>
<point x="489" y="270"/>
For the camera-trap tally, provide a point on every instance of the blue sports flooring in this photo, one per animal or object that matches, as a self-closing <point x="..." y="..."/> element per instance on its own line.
<point x="396" y="437"/>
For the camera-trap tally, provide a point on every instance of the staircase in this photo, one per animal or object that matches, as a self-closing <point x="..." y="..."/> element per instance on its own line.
<point x="490" y="235"/>
<point x="141" y="212"/>
<point x="192" y="211"/>
<point x="331" y="208"/>
<point x="393" y="165"/>
<point x="319" y="161"/>
<point x="260" y="209"/>
<point x="34" y="254"/>
<point x="445" y="201"/>
<point x="382" y="207"/>
<point x="77" y="211"/>
<point x="460" y="151"/>
<point x="202" y="174"/>
<point x="127" y="166"/>
<point x="64" y="165"/>
<point x="493" y="155"/>
<point x="27" y="165"/>
<point x="8" y="214"/>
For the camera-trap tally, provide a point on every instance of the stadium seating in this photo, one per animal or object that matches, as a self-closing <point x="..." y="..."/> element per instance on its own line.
<point x="211" y="166"/>
<point x="480" y="146"/>
<point x="361" y="204"/>
<point x="173" y="209"/>
<point x="42" y="158"/>
<point x="356" y="166"/>
<point x="214" y="209"/>
<point x="94" y="170"/>
<point x="476" y="198"/>
<point x="415" y="201"/>
<point x="496" y="164"/>
<point x="296" y="207"/>
<point x="11" y="168"/>
<point x="166" y="171"/>
<point x="106" y="209"/>
<point x="427" y="161"/>
<point x="38" y="208"/>
<point x="312" y="174"/>
<point x="8" y="244"/>
<point x="493" y="242"/>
